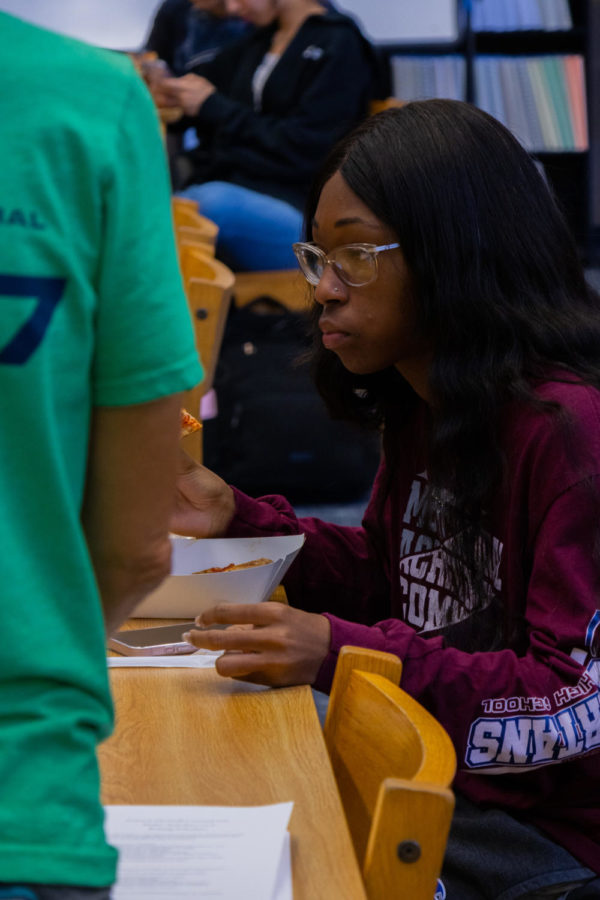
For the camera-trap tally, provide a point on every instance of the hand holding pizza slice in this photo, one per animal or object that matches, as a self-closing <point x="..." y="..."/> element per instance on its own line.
<point x="204" y="503"/>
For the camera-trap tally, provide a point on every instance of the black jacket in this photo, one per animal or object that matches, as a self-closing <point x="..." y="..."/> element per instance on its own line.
<point x="319" y="89"/>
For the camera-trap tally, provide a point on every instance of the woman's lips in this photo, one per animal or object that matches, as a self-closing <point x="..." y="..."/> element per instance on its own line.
<point x="333" y="336"/>
<point x="332" y="340"/>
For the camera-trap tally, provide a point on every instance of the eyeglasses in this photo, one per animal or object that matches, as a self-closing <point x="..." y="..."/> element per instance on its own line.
<point x="355" y="264"/>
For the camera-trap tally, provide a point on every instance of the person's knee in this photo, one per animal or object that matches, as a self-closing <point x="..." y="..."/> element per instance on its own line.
<point x="216" y="200"/>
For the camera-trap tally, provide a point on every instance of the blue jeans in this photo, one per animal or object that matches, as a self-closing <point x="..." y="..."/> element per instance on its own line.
<point x="321" y="702"/>
<point x="492" y="856"/>
<point x="256" y="231"/>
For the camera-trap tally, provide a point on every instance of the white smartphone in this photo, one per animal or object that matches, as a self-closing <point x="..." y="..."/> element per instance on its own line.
<point x="160" y="640"/>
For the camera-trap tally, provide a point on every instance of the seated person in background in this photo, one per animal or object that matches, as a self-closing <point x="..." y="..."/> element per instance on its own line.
<point x="186" y="33"/>
<point x="452" y="312"/>
<point x="266" y="111"/>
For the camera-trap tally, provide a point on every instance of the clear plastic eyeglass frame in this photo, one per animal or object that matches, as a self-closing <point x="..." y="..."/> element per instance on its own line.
<point x="313" y="267"/>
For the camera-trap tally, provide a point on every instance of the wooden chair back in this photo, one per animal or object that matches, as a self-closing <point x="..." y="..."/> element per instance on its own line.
<point x="209" y="287"/>
<point x="394" y="764"/>
<point x="188" y="236"/>
<point x="191" y="227"/>
<point x="286" y="285"/>
<point x="184" y="203"/>
<point x="196" y="262"/>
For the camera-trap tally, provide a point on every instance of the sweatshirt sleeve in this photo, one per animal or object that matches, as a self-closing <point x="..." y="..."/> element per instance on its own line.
<point x="332" y="96"/>
<point x="340" y="568"/>
<point x="507" y="712"/>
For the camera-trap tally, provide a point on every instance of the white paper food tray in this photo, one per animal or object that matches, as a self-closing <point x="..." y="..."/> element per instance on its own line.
<point x="185" y="595"/>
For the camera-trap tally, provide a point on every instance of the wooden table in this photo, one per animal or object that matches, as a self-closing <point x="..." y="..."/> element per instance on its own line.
<point x="189" y="736"/>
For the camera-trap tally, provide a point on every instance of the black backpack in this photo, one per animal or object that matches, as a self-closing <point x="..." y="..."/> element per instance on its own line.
<point x="272" y="433"/>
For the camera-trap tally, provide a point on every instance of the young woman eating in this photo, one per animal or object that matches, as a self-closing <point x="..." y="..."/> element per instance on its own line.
<point x="452" y="313"/>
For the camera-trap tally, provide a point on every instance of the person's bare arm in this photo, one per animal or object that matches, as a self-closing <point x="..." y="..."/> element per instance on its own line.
<point x="129" y="496"/>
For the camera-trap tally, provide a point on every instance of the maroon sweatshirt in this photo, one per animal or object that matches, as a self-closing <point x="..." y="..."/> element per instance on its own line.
<point x="515" y="681"/>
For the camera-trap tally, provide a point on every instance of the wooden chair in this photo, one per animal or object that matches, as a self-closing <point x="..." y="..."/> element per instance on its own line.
<point x="196" y="262"/>
<point x="191" y="227"/>
<point x="185" y="203"/>
<point x="188" y="236"/>
<point x="394" y="764"/>
<point x="208" y="286"/>
<point x="286" y="285"/>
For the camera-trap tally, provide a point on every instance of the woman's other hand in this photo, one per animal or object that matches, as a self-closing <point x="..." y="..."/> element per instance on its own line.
<point x="282" y="646"/>
<point x="204" y="503"/>
<point x="189" y="92"/>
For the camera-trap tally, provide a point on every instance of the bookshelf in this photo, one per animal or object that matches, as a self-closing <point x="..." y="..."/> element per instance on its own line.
<point x="534" y="65"/>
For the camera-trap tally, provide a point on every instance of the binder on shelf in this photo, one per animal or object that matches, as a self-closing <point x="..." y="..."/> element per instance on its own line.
<point x="556" y="15"/>
<point x="536" y="138"/>
<point x="488" y="88"/>
<point x="575" y="82"/>
<point x="528" y="16"/>
<point x="451" y="70"/>
<point x="516" y="119"/>
<point x="548" y="121"/>
<point x="555" y="77"/>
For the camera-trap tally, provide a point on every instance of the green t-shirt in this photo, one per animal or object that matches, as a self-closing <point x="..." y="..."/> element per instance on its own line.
<point x="92" y="312"/>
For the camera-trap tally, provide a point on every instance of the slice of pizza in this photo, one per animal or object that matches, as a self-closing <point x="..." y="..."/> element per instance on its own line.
<point x="188" y="423"/>
<point x="263" y="561"/>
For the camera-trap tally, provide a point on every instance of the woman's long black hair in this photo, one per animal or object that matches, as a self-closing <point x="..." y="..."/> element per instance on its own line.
<point x="499" y="289"/>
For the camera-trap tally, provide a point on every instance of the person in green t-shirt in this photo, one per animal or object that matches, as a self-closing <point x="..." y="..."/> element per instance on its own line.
<point x="96" y="345"/>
